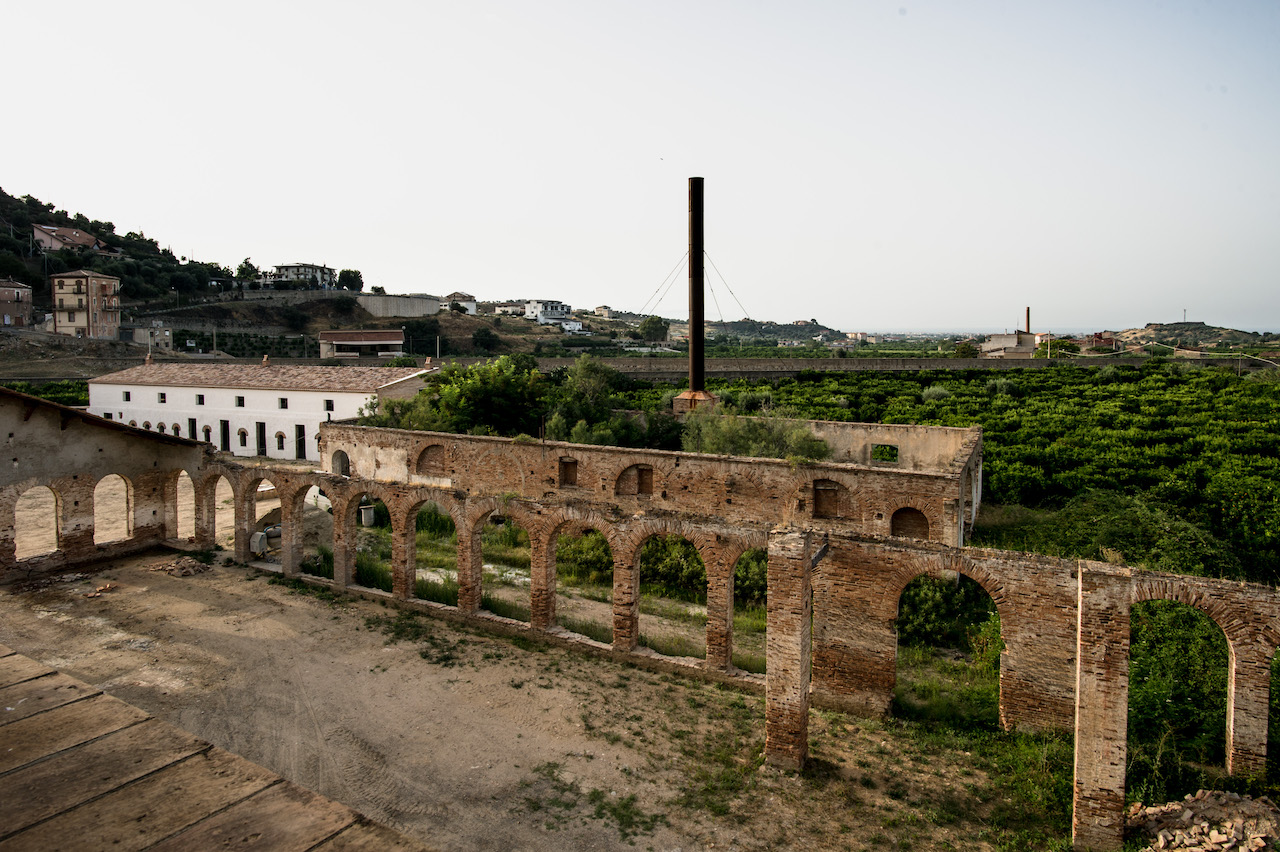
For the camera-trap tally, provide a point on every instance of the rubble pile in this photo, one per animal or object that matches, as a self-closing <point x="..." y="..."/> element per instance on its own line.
<point x="1209" y="821"/>
<point x="183" y="566"/>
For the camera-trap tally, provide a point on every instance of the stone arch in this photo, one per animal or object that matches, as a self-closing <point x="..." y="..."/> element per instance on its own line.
<point x="340" y="463"/>
<point x="146" y="424"/>
<point x="431" y="461"/>
<point x="113" y="502"/>
<point x="569" y="521"/>
<point x="627" y="575"/>
<point x="1237" y="631"/>
<point x="907" y="570"/>
<point x="133" y="423"/>
<point x="37" y="522"/>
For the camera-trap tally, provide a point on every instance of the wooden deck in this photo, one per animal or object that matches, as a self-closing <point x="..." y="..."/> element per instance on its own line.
<point x="80" y="770"/>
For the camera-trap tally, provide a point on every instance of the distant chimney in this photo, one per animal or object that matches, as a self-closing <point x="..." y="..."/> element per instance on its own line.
<point x="266" y="362"/>
<point x="1028" y="319"/>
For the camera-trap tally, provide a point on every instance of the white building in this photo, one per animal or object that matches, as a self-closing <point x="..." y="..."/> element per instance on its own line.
<point x="546" y="312"/>
<point x="246" y="410"/>
<point x="466" y="300"/>
<point x="307" y="273"/>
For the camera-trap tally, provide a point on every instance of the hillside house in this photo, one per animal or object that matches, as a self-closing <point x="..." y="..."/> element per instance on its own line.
<point x="246" y="410"/>
<point x="51" y="238"/>
<point x="86" y="304"/>
<point x="15" y="304"/>
<point x="466" y="300"/>
<point x="306" y="273"/>
<point x="546" y="312"/>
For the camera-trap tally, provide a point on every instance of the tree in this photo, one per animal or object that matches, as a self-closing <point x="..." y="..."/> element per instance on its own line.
<point x="351" y="279"/>
<point x="246" y="271"/>
<point x="654" y="328"/>
<point x="485" y="339"/>
<point x="379" y="290"/>
<point x="966" y="350"/>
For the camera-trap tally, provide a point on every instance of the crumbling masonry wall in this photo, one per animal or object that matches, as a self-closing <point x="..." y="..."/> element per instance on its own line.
<point x="835" y="575"/>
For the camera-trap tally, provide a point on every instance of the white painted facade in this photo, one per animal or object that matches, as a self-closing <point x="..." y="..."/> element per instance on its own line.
<point x="250" y="415"/>
<point x="546" y="312"/>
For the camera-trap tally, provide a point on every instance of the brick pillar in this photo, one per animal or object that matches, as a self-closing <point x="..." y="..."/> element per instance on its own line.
<point x="789" y="612"/>
<point x="470" y="568"/>
<point x="1248" y="701"/>
<point x="344" y="538"/>
<point x="150" y="507"/>
<point x="1102" y="709"/>
<point x="404" y="563"/>
<point x="205" y="513"/>
<point x="246" y="506"/>
<point x="290" y="531"/>
<point x="542" y="580"/>
<point x="719" y="613"/>
<point x="75" y="539"/>
<point x="626" y="600"/>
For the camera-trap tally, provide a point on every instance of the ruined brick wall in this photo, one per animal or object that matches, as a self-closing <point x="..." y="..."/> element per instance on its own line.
<point x="70" y="452"/>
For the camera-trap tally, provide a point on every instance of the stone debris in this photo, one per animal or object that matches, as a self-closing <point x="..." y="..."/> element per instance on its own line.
<point x="183" y="566"/>
<point x="1209" y="821"/>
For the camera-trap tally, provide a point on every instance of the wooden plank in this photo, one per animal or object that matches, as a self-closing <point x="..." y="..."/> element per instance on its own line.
<point x="44" y="693"/>
<point x="140" y="814"/>
<point x="63" y="727"/>
<point x="16" y="668"/>
<point x="368" y="837"/>
<point x="283" y="818"/>
<point x="47" y="787"/>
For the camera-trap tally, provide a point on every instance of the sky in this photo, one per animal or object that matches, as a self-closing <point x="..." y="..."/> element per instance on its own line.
<point x="878" y="166"/>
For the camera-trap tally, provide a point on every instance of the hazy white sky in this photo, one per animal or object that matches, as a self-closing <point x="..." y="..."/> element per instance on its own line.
<point x="874" y="165"/>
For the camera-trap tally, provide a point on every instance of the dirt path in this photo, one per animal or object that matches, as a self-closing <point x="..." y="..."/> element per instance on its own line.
<point x="471" y="742"/>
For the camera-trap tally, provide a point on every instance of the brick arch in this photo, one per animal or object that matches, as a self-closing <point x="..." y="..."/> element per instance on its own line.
<point x="733" y="547"/>
<point x="1235" y="629"/>
<point x="411" y="503"/>
<point x="895" y="583"/>
<point x="576" y="522"/>
<point x="662" y="473"/>
<point x="931" y="513"/>
<point x="477" y="511"/>
<point x="702" y="540"/>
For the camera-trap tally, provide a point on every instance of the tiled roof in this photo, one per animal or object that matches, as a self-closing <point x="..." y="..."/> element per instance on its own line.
<point x="258" y="377"/>
<point x="84" y="273"/>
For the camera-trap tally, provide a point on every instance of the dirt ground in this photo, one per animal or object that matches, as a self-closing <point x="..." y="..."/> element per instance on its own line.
<point x="475" y="742"/>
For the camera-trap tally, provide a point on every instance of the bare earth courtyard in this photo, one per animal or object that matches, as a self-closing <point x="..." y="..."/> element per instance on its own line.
<point x="468" y="741"/>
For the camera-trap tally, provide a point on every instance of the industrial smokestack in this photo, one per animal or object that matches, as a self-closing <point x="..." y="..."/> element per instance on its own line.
<point x="1028" y="319"/>
<point x="697" y="367"/>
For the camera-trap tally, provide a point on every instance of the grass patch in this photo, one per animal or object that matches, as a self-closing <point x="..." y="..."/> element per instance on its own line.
<point x="591" y="629"/>
<point x="440" y="591"/>
<point x="300" y="587"/>
<point x="749" y="662"/>
<point x="514" y="610"/>
<point x="674" y="646"/>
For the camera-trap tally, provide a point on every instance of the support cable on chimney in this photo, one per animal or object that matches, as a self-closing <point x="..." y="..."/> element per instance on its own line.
<point x="667" y="283"/>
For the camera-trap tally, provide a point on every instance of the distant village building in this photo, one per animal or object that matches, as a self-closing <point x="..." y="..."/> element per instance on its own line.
<point x="362" y="343"/>
<point x="86" y="304"/>
<point x="509" y="309"/>
<point x="466" y="300"/>
<point x="15" y="304"/>
<point x="546" y="312"/>
<point x="152" y="335"/>
<point x="571" y="326"/>
<point x="306" y="273"/>
<point x="1019" y="345"/>
<point x="246" y="410"/>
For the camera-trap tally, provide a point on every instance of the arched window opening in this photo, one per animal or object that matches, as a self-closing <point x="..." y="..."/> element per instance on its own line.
<point x="431" y="461"/>
<point x="340" y="463"/>
<point x="112" y="510"/>
<point x="826" y="498"/>
<point x="636" y="480"/>
<point x="909" y="522"/>
<point x="36" y="522"/>
<point x="280" y="441"/>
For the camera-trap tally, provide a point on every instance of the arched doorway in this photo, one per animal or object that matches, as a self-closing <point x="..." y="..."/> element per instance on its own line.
<point x="584" y="583"/>
<point x="673" y="597"/>
<point x="505" y="560"/>
<point x="948" y="655"/>
<point x="434" y="555"/>
<point x="185" y="495"/>
<point x="910" y="522"/>
<point x="750" y="597"/>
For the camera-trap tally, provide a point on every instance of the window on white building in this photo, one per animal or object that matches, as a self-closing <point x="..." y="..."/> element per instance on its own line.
<point x="161" y="398"/>
<point x="127" y="396"/>
<point x="284" y="402"/>
<point x="240" y="404"/>
<point x="199" y="399"/>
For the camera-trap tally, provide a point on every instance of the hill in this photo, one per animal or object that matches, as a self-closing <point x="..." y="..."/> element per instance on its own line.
<point x="1191" y="334"/>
